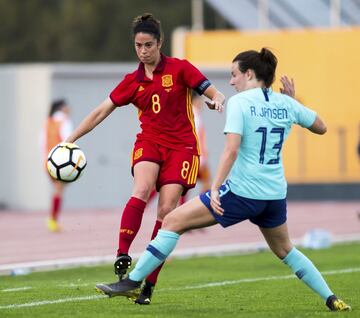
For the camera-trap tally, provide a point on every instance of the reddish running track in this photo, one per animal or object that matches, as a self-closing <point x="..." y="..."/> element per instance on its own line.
<point x="92" y="233"/>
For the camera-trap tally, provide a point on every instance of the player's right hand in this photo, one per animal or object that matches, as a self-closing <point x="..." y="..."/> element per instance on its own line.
<point x="288" y="86"/>
<point x="215" y="202"/>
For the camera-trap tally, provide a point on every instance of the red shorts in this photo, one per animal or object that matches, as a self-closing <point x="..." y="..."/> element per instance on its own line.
<point x="175" y="166"/>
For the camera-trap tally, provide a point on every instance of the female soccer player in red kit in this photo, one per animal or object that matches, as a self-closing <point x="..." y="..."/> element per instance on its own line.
<point x="57" y="127"/>
<point x="166" y="151"/>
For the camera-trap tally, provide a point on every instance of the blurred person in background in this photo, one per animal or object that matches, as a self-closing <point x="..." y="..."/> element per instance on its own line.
<point x="250" y="183"/>
<point x="166" y="151"/>
<point x="58" y="127"/>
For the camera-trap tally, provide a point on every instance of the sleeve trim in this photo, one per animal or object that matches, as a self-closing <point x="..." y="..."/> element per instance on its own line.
<point x="112" y="99"/>
<point x="201" y="88"/>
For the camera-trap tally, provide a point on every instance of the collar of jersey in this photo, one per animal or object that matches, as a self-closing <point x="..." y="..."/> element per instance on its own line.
<point x="140" y="75"/>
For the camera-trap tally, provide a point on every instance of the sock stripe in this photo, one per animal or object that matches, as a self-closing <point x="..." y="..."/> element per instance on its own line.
<point x="300" y="273"/>
<point x="307" y="272"/>
<point x="156" y="252"/>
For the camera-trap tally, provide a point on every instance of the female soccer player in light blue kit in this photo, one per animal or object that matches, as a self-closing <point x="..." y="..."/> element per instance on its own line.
<point x="258" y="122"/>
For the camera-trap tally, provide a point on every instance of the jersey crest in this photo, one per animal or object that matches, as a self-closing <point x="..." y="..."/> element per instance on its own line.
<point x="167" y="80"/>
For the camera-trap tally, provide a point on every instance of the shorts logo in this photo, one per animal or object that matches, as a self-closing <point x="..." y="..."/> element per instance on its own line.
<point x="167" y="80"/>
<point x="138" y="153"/>
<point x="225" y="188"/>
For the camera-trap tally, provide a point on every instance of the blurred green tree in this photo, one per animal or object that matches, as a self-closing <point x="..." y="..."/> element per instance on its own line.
<point x="80" y="30"/>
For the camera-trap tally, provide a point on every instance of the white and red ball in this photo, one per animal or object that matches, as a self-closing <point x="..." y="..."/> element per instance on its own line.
<point x="66" y="162"/>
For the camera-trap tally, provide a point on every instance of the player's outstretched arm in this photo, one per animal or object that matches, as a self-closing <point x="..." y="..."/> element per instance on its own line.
<point x="318" y="127"/>
<point x="217" y="98"/>
<point x="92" y="120"/>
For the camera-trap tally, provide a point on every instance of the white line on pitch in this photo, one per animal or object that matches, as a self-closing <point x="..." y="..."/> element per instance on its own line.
<point x="258" y="279"/>
<point x="16" y="289"/>
<point x="215" y="284"/>
<point x="50" y="302"/>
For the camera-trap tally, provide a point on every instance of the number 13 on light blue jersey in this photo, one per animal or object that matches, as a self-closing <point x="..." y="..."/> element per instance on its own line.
<point x="277" y="146"/>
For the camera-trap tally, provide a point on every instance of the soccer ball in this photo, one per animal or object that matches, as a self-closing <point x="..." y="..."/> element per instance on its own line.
<point x="66" y="162"/>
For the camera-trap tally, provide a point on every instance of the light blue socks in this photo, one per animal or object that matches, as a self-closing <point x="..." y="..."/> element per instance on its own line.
<point x="305" y="270"/>
<point x="165" y="241"/>
<point x="156" y="253"/>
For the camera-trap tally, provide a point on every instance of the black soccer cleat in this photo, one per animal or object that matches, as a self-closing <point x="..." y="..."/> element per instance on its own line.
<point x="145" y="295"/>
<point x="336" y="304"/>
<point x="126" y="287"/>
<point x="122" y="264"/>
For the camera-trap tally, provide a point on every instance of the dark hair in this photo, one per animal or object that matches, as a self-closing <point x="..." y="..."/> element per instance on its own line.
<point x="263" y="63"/>
<point x="57" y="105"/>
<point x="147" y="23"/>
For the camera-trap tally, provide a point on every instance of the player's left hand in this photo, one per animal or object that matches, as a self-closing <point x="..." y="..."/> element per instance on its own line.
<point x="288" y="86"/>
<point x="215" y="202"/>
<point x="217" y="102"/>
<point x="215" y="105"/>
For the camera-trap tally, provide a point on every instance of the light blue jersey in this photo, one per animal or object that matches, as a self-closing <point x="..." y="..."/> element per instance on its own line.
<point x="263" y="119"/>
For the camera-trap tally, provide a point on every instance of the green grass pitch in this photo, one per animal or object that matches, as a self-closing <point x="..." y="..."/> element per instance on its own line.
<point x="251" y="285"/>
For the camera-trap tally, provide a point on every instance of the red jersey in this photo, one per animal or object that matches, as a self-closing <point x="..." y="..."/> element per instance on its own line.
<point x="164" y="103"/>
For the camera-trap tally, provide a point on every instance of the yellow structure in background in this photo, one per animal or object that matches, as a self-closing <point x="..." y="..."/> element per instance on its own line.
<point x="326" y="67"/>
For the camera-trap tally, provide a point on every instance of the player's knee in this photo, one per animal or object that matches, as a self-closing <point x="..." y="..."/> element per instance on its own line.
<point x="142" y="192"/>
<point x="164" y="210"/>
<point x="172" y="223"/>
<point x="282" y="250"/>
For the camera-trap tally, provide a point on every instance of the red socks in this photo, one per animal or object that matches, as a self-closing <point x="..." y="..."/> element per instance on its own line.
<point x="152" y="278"/>
<point x="55" y="207"/>
<point x="130" y="223"/>
<point x="129" y="227"/>
<point x="157" y="227"/>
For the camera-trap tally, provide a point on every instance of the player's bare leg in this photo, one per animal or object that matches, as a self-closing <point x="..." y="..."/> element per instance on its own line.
<point x="145" y="175"/>
<point x="193" y="214"/>
<point x="304" y="269"/>
<point x="56" y="202"/>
